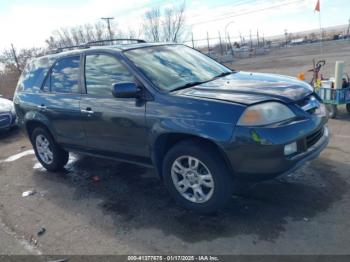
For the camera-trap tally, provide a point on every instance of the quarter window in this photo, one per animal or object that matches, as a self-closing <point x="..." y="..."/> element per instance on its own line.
<point x="65" y="75"/>
<point x="101" y="72"/>
<point x="34" y="74"/>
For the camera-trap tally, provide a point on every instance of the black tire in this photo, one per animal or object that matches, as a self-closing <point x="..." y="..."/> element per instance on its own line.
<point x="348" y="108"/>
<point x="210" y="157"/>
<point x="332" y="110"/>
<point x="60" y="156"/>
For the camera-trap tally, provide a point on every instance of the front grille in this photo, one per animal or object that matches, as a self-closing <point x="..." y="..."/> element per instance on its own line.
<point x="314" y="137"/>
<point x="5" y="120"/>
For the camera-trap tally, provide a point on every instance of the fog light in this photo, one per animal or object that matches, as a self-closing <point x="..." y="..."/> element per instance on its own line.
<point x="290" y="149"/>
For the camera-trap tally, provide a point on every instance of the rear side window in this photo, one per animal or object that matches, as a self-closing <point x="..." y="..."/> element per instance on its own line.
<point x="101" y="72"/>
<point x="64" y="76"/>
<point x="34" y="75"/>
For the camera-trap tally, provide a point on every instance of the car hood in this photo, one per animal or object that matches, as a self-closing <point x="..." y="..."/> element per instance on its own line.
<point x="5" y="105"/>
<point x="249" y="88"/>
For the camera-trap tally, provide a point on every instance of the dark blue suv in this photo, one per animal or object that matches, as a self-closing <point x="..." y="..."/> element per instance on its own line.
<point x="201" y="125"/>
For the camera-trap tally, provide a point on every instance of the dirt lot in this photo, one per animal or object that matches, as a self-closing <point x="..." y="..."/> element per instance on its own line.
<point x="294" y="60"/>
<point x="128" y="211"/>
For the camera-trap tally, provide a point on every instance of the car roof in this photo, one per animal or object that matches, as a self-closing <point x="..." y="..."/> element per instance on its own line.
<point x="117" y="48"/>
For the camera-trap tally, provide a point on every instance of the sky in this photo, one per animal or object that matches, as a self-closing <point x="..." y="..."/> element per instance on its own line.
<point x="27" y="23"/>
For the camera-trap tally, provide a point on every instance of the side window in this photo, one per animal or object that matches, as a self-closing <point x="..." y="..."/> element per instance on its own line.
<point x="65" y="75"/>
<point x="101" y="72"/>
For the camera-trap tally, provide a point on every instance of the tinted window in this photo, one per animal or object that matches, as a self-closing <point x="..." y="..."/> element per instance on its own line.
<point x="101" y="72"/>
<point x="65" y="75"/>
<point x="33" y="75"/>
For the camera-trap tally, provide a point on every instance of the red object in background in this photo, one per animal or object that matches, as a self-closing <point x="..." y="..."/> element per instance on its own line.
<point x="317" y="7"/>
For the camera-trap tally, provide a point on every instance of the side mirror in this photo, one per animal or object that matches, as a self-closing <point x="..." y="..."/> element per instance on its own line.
<point x="126" y="90"/>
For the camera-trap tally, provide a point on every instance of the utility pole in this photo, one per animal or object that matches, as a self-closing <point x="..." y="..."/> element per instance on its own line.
<point x="108" y="19"/>
<point x="263" y="39"/>
<point x="15" y="58"/>
<point x="250" y="36"/>
<point x="240" y="36"/>
<point x="348" y="31"/>
<point x="257" y="35"/>
<point x="221" y="49"/>
<point x="286" y="35"/>
<point x="192" y="41"/>
<point x="229" y="40"/>
<point x="208" y="43"/>
<point x="226" y="34"/>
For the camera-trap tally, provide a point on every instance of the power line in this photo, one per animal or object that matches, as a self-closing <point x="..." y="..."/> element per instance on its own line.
<point x="130" y="10"/>
<point x="245" y="13"/>
<point x="237" y="4"/>
<point x="162" y="3"/>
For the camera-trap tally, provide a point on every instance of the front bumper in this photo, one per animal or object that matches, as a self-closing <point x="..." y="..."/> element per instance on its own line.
<point x="261" y="156"/>
<point x="7" y="120"/>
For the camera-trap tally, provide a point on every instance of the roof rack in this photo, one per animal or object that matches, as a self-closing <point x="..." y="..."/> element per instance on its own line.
<point x="72" y="47"/>
<point x="102" y="42"/>
<point x="95" y="43"/>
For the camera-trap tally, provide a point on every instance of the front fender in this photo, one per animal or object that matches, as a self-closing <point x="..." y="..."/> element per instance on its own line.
<point x="217" y="132"/>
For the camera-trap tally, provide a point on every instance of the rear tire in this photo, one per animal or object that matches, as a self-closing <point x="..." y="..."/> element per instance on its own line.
<point x="197" y="177"/>
<point x="348" y="108"/>
<point x="49" y="154"/>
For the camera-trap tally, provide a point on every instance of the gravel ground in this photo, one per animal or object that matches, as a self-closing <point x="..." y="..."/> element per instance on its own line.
<point x="294" y="60"/>
<point x="128" y="211"/>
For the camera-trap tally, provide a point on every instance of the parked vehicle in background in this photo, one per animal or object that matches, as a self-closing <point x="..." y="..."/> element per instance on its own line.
<point x="7" y="114"/>
<point x="201" y="125"/>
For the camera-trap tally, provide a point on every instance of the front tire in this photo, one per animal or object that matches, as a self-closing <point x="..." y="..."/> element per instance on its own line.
<point x="49" y="154"/>
<point x="348" y="108"/>
<point x="197" y="177"/>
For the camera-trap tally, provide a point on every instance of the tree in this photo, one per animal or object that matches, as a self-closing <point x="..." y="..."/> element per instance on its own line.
<point x="173" y="25"/>
<point x="165" y="26"/>
<point x="152" y="23"/>
<point x="9" y="73"/>
<point x="8" y="61"/>
<point x="77" y="35"/>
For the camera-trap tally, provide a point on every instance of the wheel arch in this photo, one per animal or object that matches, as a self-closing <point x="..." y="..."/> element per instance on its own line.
<point x="32" y="121"/>
<point x="164" y="142"/>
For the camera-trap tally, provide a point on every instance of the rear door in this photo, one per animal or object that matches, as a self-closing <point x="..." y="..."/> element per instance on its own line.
<point x="112" y="125"/>
<point x="28" y="94"/>
<point x="60" y="101"/>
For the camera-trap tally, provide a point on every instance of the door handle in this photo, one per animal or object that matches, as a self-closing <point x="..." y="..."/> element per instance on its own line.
<point x="87" y="111"/>
<point x="42" y="107"/>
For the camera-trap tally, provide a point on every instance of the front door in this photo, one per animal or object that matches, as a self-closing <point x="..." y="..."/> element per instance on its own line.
<point x="111" y="124"/>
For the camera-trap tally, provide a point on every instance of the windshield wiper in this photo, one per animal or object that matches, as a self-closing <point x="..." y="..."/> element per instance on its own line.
<point x="190" y="84"/>
<point x="222" y="75"/>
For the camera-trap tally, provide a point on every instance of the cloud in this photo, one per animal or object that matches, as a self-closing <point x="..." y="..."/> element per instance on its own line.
<point x="28" y="25"/>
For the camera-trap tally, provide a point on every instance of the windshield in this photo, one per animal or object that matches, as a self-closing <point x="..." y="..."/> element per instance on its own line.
<point x="172" y="67"/>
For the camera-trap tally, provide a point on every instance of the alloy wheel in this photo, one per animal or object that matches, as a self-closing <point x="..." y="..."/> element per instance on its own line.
<point x="44" y="149"/>
<point x="192" y="179"/>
